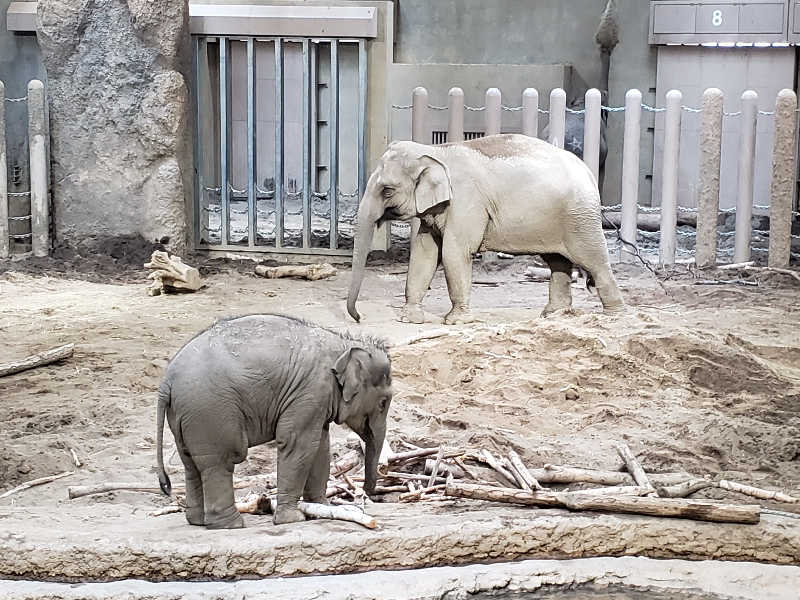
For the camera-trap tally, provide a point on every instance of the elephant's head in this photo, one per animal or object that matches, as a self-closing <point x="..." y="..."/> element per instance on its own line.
<point x="408" y="182"/>
<point x="365" y="381"/>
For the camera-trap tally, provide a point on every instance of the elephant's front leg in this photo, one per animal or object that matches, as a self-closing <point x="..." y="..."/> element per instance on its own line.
<point x="298" y="442"/>
<point x="317" y="484"/>
<point x="457" y="261"/>
<point x="421" y="268"/>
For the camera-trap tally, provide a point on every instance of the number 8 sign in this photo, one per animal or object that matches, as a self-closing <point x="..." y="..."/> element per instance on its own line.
<point x="716" y="18"/>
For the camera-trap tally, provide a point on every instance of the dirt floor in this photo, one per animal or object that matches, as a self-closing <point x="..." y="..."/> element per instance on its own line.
<point x="697" y="378"/>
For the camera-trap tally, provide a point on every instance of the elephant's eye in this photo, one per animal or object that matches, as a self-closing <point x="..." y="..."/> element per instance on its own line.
<point x="384" y="403"/>
<point x="387" y="192"/>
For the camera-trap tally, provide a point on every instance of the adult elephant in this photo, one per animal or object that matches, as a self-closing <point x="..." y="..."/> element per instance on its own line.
<point x="508" y="193"/>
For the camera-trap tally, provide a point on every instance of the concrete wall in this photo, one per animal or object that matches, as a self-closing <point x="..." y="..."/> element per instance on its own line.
<point x="20" y="61"/>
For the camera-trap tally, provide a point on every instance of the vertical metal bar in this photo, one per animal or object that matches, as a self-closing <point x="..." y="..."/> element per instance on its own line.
<point x="530" y="112"/>
<point x="314" y="121"/>
<point x="362" y="118"/>
<point x="555" y="129"/>
<point x="493" y="108"/>
<point x="307" y="215"/>
<point x="4" y="239"/>
<point x="199" y="191"/>
<point x="278" y="143"/>
<point x="333" y="125"/>
<point x="669" y="176"/>
<point x="223" y="139"/>
<point x="591" y="132"/>
<point x="783" y="179"/>
<point x="744" y="198"/>
<point x="630" y="174"/>
<point x="251" y="144"/>
<point x="455" y="124"/>
<point x="708" y="188"/>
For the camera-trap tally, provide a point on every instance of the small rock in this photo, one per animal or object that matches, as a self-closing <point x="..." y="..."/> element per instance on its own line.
<point x="572" y="394"/>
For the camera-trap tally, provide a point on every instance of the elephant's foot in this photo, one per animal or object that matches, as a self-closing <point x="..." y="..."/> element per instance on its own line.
<point x="288" y="515"/>
<point x="195" y="515"/>
<point x="230" y="519"/>
<point x="616" y="309"/>
<point x="458" y="316"/>
<point x="317" y="500"/>
<point x="412" y="313"/>
<point x="560" y="309"/>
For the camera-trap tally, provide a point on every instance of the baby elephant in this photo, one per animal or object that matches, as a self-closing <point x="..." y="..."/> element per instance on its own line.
<point x="254" y="379"/>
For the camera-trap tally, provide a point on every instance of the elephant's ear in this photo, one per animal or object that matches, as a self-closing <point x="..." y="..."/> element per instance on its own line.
<point x="350" y="371"/>
<point x="433" y="184"/>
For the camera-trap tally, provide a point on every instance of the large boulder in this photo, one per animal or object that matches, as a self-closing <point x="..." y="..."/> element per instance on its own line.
<point x="121" y="152"/>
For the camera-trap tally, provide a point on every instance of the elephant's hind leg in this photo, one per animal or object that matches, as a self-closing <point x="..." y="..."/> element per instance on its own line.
<point x="220" y="507"/>
<point x="195" y="511"/>
<point x="560" y="294"/>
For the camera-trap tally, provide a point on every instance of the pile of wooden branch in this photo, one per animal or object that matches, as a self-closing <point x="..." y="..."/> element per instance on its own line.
<point x="412" y="474"/>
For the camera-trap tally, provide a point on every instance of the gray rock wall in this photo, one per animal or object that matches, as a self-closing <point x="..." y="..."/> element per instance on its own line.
<point x="118" y="88"/>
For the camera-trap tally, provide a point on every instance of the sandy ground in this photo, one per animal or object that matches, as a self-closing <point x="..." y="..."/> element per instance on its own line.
<point x="696" y="378"/>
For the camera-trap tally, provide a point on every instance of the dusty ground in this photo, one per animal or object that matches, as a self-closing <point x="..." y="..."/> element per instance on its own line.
<point x="696" y="378"/>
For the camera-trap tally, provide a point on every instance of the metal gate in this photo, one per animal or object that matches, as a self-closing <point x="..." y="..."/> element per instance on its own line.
<point x="280" y="143"/>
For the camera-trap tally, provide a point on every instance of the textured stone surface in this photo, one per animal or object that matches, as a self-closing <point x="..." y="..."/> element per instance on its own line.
<point x="119" y="105"/>
<point x="674" y="579"/>
<point x="783" y="180"/>
<point x="708" y="185"/>
<point x="91" y="544"/>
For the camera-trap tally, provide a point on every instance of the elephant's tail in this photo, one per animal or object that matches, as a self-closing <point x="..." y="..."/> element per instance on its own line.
<point x="163" y="402"/>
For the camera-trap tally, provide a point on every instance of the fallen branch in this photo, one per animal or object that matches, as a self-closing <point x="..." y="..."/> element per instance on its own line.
<point x="634" y="468"/>
<point x="166" y="510"/>
<point x="563" y="474"/>
<point x="661" y="507"/>
<point x="726" y="282"/>
<point x="775" y="270"/>
<point x="435" y="468"/>
<point x="755" y="492"/>
<point x="311" y="272"/>
<point x="79" y="491"/>
<point x="37" y="360"/>
<point x="617" y="490"/>
<point x="517" y="463"/>
<point x="490" y="460"/>
<point x="426" y="335"/>
<point x="34" y="482"/>
<point x="521" y="481"/>
<point x="416" y="494"/>
<point x="687" y="488"/>
<point x="262" y="504"/>
<point x="346" y="463"/>
<point x="740" y="265"/>
<point x="445" y="469"/>
<point x="75" y="458"/>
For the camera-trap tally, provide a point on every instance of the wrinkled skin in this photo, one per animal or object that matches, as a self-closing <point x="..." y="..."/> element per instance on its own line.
<point x="506" y="193"/>
<point x="259" y="378"/>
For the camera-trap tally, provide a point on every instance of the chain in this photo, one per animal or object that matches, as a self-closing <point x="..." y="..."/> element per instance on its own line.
<point x="28" y="193"/>
<point x="23" y="99"/>
<point x="25" y="218"/>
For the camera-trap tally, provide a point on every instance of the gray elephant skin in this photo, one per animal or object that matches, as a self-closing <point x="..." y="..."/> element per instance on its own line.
<point x="249" y="380"/>
<point x="508" y="193"/>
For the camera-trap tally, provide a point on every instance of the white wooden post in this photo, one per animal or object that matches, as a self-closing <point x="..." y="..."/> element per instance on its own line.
<point x="591" y="132"/>
<point x="530" y="112"/>
<point x="4" y="240"/>
<point x="669" y="174"/>
<point x="783" y="180"/>
<point x="558" y="110"/>
<point x="493" y="111"/>
<point x="747" y="165"/>
<point x="630" y="173"/>
<point x="37" y="145"/>
<point x="419" y="113"/>
<point x="455" y="109"/>
<point x="708" y="188"/>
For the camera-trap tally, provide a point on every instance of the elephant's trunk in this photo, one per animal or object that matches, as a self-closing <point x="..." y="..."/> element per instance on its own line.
<point x="373" y="444"/>
<point x="367" y="219"/>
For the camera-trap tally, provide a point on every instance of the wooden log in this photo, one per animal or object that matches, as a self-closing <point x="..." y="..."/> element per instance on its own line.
<point x="445" y="469"/>
<point x="516" y="461"/>
<point x="37" y="360"/>
<point x="681" y="490"/>
<point x="417" y="494"/>
<point x="346" y="463"/>
<point x="495" y="494"/>
<point x="490" y="460"/>
<point x="788" y="272"/>
<point x="699" y="510"/>
<point x="34" y="482"/>
<point x="565" y="474"/>
<point x="312" y="272"/>
<point x="411" y="477"/>
<point x="77" y="491"/>
<point x="755" y="492"/>
<point x="617" y="490"/>
<point x="435" y="469"/>
<point x="425" y="335"/>
<point x="390" y="489"/>
<point x="521" y="482"/>
<point x="660" y="507"/>
<point x="634" y="468"/>
<point x="262" y="504"/>
<point x="166" y="510"/>
<point x="460" y="462"/>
